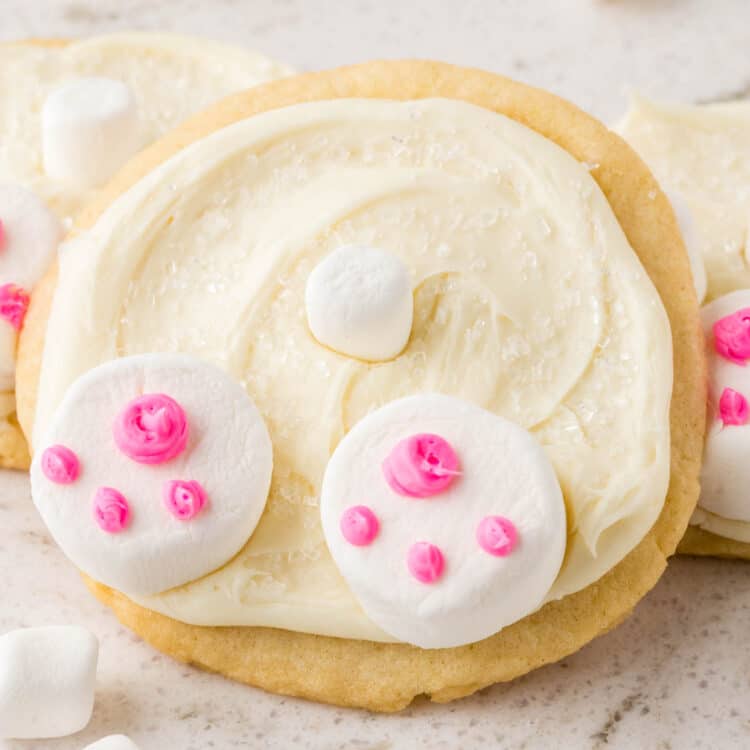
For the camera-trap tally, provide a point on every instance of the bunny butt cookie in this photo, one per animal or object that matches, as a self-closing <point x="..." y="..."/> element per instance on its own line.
<point x="700" y="155"/>
<point x="481" y="386"/>
<point x="71" y="115"/>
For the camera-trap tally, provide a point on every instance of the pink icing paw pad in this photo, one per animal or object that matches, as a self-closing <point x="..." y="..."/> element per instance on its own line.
<point x="159" y="530"/>
<point x="184" y="500"/>
<point x="497" y="535"/>
<point x="733" y="407"/>
<point x="14" y="302"/>
<point x="732" y="336"/>
<point x="152" y="429"/>
<point x="60" y="464"/>
<point x="111" y="510"/>
<point x="421" y="466"/>
<point x="359" y="525"/>
<point x="450" y="571"/>
<point x="2" y="236"/>
<point x="426" y="562"/>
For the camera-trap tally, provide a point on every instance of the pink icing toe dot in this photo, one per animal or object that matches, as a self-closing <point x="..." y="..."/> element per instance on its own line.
<point x="14" y="302"/>
<point x="733" y="408"/>
<point x="184" y="499"/>
<point x="152" y="429"/>
<point x="732" y="336"/>
<point x="111" y="510"/>
<point x="425" y="561"/>
<point x="497" y="535"/>
<point x="60" y="464"/>
<point x="359" y="525"/>
<point x="421" y="466"/>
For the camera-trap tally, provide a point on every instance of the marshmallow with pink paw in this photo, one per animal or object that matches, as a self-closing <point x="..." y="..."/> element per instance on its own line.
<point x="113" y="742"/>
<point x="47" y="679"/>
<point x="725" y="475"/>
<point x="154" y="471"/>
<point x="447" y="521"/>
<point x="29" y="236"/>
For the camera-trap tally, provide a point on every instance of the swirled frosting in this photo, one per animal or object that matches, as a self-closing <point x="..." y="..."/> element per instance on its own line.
<point x="702" y="155"/>
<point x="171" y="77"/>
<point x="528" y="301"/>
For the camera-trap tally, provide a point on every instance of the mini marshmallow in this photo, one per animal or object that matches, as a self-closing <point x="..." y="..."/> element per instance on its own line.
<point x="359" y="303"/>
<point x="690" y="237"/>
<point x="47" y="679"/>
<point x="143" y="528"/>
<point x="458" y="560"/>
<point x="113" y="742"/>
<point x="89" y="130"/>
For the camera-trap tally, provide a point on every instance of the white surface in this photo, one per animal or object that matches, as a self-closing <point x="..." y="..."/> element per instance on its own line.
<point x="675" y="675"/>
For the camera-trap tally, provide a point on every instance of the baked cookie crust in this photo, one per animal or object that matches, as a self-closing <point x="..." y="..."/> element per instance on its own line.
<point x="387" y="677"/>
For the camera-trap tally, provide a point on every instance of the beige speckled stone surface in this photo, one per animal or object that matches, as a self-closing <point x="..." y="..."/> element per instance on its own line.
<point x="675" y="675"/>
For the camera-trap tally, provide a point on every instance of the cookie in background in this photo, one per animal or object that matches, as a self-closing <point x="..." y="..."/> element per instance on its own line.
<point x="701" y="157"/>
<point x="72" y="113"/>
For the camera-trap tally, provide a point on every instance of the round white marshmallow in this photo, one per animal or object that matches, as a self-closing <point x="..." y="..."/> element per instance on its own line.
<point x="89" y="130"/>
<point x="113" y="742"/>
<point x="228" y="452"/>
<point x="359" y="303"/>
<point x="689" y="233"/>
<point x="725" y="476"/>
<point x="31" y="234"/>
<point x="47" y="680"/>
<point x="505" y="472"/>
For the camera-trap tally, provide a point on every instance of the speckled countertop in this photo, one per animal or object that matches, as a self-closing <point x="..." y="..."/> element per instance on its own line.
<point x="677" y="673"/>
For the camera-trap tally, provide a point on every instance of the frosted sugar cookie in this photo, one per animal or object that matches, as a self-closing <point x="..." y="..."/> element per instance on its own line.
<point x="701" y="154"/>
<point x="71" y="115"/>
<point x="477" y="487"/>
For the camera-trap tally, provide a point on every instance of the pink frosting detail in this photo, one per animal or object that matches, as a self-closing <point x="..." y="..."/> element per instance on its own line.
<point x="184" y="499"/>
<point x="14" y="302"/>
<point x="359" y="525"/>
<point x="426" y="562"/>
<point x="111" y="510"/>
<point x="2" y="236"/>
<point x="152" y="429"/>
<point x="497" y="535"/>
<point x="732" y="336"/>
<point x="733" y="407"/>
<point x="421" y="466"/>
<point x="60" y="464"/>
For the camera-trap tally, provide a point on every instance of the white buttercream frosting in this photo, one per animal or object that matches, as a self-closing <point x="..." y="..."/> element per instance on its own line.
<point x="702" y="154"/>
<point x="170" y="76"/>
<point x="528" y="302"/>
